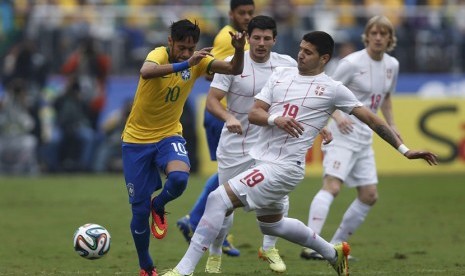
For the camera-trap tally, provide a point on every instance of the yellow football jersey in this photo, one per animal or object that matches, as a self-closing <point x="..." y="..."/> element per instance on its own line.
<point x="158" y="102"/>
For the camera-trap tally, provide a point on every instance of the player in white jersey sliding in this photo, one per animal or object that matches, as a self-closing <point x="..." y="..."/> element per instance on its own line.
<point x="371" y="74"/>
<point x="238" y="135"/>
<point x="292" y="108"/>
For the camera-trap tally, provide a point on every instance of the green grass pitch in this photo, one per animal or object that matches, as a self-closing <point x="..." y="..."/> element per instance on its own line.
<point x="416" y="228"/>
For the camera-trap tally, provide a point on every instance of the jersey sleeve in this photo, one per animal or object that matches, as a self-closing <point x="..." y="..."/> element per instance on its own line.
<point x="158" y="55"/>
<point x="203" y="68"/>
<point x="266" y="94"/>
<point x="222" y="82"/>
<point x="344" y="71"/>
<point x="395" y="75"/>
<point x="345" y="100"/>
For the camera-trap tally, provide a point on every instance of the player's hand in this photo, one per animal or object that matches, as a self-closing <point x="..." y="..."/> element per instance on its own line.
<point x="431" y="158"/>
<point x="238" y="40"/>
<point x="344" y="124"/>
<point x="233" y="125"/>
<point x="326" y="135"/>
<point x="289" y="125"/>
<point x="199" y="55"/>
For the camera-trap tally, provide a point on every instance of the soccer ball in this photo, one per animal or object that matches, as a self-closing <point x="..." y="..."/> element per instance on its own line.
<point x="91" y="241"/>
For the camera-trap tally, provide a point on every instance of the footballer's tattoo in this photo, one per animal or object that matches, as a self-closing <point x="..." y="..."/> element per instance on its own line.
<point x="387" y="134"/>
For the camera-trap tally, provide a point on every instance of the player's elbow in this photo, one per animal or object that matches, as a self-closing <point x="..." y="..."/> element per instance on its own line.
<point x="236" y="70"/>
<point x="253" y="116"/>
<point x="144" y="74"/>
<point x="209" y="105"/>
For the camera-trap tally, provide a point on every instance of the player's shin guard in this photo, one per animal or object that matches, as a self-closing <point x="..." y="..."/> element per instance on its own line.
<point x="199" y="207"/>
<point x="216" y="246"/>
<point x="173" y="188"/>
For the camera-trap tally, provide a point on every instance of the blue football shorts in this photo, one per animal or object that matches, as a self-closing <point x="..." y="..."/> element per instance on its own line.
<point x="142" y="164"/>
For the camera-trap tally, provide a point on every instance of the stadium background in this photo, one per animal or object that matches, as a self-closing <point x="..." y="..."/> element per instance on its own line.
<point x="429" y="105"/>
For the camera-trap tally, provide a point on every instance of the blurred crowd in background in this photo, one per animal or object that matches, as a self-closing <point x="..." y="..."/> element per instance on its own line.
<point x="85" y="42"/>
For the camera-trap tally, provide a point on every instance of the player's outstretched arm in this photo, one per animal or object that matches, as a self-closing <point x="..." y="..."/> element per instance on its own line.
<point x="386" y="133"/>
<point x="152" y="69"/>
<point x="236" y="65"/>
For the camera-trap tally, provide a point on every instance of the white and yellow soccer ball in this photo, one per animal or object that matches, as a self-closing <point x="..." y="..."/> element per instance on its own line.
<point x="91" y="241"/>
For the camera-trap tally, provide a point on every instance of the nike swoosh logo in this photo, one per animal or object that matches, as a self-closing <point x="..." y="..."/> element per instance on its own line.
<point x="245" y="76"/>
<point x="139" y="233"/>
<point x="317" y="218"/>
<point x="363" y="72"/>
<point x="158" y="230"/>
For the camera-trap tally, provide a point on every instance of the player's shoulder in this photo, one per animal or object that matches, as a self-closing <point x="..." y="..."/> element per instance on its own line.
<point x="160" y="49"/>
<point x="329" y="80"/>
<point x="282" y="60"/>
<point x="355" y="56"/>
<point x="285" y="71"/>
<point x="224" y="32"/>
<point x="159" y="53"/>
<point x="391" y="60"/>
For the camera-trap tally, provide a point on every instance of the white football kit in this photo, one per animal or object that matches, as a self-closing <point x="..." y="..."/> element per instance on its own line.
<point x="280" y="158"/>
<point x="350" y="157"/>
<point x="233" y="149"/>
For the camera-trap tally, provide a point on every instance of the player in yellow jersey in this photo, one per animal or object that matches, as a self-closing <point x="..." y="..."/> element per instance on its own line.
<point x="152" y="137"/>
<point x="240" y="14"/>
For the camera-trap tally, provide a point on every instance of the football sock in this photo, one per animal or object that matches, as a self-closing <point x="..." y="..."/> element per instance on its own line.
<point x="297" y="232"/>
<point x="173" y="188"/>
<point x="269" y="242"/>
<point x="352" y="219"/>
<point x="319" y="209"/>
<point x="199" y="207"/>
<point x="216" y="246"/>
<point x="140" y="231"/>
<point x="218" y="204"/>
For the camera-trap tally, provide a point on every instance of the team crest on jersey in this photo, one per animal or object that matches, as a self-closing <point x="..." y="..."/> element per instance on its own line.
<point x="319" y="90"/>
<point x="389" y="73"/>
<point x="186" y="74"/>
<point x="130" y="188"/>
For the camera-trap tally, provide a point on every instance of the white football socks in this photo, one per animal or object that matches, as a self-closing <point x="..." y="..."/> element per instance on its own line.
<point x="352" y="219"/>
<point x="319" y="209"/>
<point x="216" y="246"/>
<point x="297" y="232"/>
<point x="208" y="229"/>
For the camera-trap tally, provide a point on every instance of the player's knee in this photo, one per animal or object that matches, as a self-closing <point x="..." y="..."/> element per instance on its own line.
<point x="368" y="194"/>
<point x="332" y="185"/>
<point x="369" y="198"/>
<point x="271" y="229"/>
<point x="178" y="180"/>
<point x="141" y="210"/>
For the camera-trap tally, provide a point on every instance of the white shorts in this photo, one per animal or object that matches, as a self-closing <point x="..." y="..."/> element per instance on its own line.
<point x="354" y="168"/>
<point x="227" y="170"/>
<point x="264" y="187"/>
